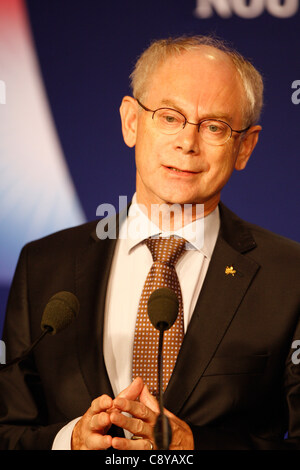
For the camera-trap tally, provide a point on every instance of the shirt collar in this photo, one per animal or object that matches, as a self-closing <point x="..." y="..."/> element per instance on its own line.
<point x="200" y="235"/>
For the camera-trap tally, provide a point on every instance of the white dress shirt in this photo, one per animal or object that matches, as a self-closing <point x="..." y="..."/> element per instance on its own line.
<point x="131" y="263"/>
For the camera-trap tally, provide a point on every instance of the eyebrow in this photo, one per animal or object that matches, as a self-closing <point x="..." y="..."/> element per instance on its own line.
<point x="173" y="105"/>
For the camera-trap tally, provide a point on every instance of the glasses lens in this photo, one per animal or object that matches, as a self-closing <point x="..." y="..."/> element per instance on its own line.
<point x="215" y="132"/>
<point x="168" y="120"/>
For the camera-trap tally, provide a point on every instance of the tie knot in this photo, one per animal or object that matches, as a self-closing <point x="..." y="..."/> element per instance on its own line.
<point x="166" y="250"/>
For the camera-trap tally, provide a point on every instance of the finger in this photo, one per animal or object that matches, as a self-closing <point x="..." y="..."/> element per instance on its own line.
<point x="133" y="391"/>
<point x="182" y="436"/>
<point x="99" y="422"/>
<point x="149" y="400"/>
<point x="95" y="441"/>
<point x="135" y="408"/>
<point x="83" y="437"/>
<point x="135" y="426"/>
<point x="119" y="443"/>
<point x="101" y="403"/>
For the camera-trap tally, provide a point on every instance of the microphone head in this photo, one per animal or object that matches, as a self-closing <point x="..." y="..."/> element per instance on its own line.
<point x="163" y="308"/>
<point x="59" y="312"/>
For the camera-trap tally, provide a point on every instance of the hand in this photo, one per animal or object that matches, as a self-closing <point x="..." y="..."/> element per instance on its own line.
<point x="182" y="436"/>
<point x="90" y="432"/>
<point x="140" y="423"/>
<point x="144" y="414"/>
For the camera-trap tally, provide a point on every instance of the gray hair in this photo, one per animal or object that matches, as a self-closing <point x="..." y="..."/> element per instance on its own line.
<point x="160" y="50"/>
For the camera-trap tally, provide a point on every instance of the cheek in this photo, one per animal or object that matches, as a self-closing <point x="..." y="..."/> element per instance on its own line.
<point x="148" y="149"/>
<point x="221" y="163"/>
<point x="145" y="159"/>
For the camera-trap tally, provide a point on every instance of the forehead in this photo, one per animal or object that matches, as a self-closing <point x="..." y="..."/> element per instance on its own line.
<point x="205" y="77"/>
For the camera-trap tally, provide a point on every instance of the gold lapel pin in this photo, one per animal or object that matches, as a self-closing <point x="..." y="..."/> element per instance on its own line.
<point x="230" y="270"/>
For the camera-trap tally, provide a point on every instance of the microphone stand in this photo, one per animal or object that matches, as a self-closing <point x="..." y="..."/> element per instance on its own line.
<point x="47" y="329"/>
<point x="162" y="429"/>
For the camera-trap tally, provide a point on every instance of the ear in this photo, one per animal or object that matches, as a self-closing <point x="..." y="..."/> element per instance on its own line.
<point x="247" y="146"/>
<point x="129" y="114"/>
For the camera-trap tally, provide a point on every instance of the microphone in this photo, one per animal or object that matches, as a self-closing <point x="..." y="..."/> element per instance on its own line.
<point x="163" y="308"/>
<point x="59" y="312"/>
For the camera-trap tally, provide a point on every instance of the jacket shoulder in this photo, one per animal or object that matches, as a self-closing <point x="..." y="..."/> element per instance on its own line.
<point x="247" y="236"/>
<point x="66" y="238"/>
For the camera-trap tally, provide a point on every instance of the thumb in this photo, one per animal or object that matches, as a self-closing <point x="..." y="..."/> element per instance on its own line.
<point x="133" y="391"/>
<point x="147" y="399"/>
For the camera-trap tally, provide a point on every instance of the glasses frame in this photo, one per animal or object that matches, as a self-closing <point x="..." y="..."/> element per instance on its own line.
<point x="194" y="123"/>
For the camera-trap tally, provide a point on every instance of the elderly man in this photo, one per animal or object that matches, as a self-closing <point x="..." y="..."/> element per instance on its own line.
<point x="230" y="380"/>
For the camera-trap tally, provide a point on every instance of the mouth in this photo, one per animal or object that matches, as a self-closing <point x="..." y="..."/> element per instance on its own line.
<point x="177" y="170"/>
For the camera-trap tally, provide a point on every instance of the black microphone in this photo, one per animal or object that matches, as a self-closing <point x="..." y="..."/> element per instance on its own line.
<point x="163" y="308"/>
<point x="59" y="312"/>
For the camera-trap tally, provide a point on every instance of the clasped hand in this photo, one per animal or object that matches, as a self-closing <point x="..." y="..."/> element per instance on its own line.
<point x="141" y="410"/>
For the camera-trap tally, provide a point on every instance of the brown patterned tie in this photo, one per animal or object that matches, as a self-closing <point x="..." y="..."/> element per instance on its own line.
<point x="165" y="253"/>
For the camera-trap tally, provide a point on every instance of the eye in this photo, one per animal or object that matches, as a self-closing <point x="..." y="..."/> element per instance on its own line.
<point x="169" y="117"/>
<point x="213" y="128"/>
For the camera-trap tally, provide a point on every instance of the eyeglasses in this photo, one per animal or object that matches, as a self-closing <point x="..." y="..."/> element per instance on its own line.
<point x="212" y="131"/>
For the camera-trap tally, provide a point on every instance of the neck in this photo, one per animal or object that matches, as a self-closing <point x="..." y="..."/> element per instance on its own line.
<point x="170" y="217"/>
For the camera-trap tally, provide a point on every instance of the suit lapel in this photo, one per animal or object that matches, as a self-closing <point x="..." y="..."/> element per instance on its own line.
<point x="92" y="274"/>
<point x="217" y="305"/>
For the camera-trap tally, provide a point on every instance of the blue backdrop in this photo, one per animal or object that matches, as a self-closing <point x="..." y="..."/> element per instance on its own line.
<point x="86" y="51"/>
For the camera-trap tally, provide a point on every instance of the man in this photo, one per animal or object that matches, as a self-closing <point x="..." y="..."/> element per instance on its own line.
<point x="192" y="120"/>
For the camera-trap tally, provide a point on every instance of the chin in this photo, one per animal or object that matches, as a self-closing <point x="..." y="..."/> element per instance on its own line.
<point x="183" y="197"/>
<point x="181" y="201"/>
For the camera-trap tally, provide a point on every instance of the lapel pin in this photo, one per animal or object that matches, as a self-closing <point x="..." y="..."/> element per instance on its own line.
<point x="230" y="270"/>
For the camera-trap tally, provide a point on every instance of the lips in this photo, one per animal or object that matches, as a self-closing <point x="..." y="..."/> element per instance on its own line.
<point x="178" y="170"/>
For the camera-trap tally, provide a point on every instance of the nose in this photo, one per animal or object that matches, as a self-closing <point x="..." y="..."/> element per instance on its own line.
<point x="188" y="140"/>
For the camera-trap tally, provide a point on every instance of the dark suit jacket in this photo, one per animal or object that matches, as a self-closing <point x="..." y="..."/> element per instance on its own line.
<point x="234" y="381"/>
